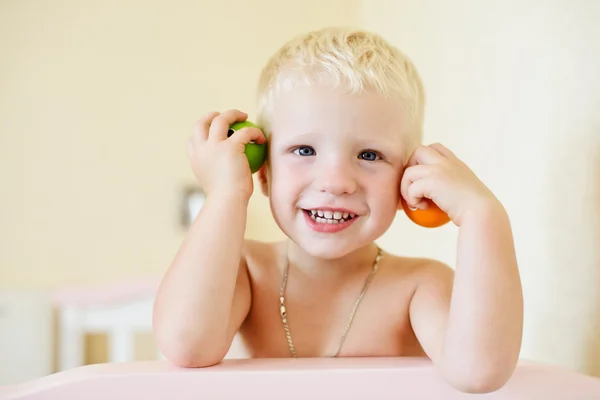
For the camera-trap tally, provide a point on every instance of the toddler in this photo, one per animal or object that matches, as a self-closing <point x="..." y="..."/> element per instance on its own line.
<point x="342" y="112"/>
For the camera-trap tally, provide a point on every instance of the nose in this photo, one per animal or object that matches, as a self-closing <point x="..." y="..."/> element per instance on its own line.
<point x="336" y="179"/>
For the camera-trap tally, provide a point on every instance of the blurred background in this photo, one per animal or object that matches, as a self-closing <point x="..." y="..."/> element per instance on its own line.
<point x="97" y="100"/>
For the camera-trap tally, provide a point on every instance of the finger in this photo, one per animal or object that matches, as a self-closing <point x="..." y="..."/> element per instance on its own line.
<point x="202" y="126"/>
<point x="412" y="175"/>
<point x="417" y="194"/>
<point x="443" y="150"/>
<point x="247" y="135"/>
<point x="220" y="125"/>
<point x="424" y="155"/>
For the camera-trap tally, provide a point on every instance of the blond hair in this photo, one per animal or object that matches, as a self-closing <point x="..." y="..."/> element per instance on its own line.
<point x="357" y="59"/>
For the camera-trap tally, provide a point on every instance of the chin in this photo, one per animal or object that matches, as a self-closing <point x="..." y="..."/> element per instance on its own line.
<point x="327" y="249"/>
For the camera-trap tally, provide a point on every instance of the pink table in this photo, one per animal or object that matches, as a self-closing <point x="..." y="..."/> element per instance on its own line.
<point x="290" y="379"/>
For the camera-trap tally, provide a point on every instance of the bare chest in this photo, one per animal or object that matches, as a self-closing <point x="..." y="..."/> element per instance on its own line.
<point x="326" y="323"/>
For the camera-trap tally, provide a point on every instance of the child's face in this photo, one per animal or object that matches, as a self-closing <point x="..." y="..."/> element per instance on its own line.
<point x="332" y="151"/>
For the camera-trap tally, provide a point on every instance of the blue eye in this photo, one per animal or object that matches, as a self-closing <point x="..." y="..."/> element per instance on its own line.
<point x="304" y="151"/>
<point x="368" y="155"/>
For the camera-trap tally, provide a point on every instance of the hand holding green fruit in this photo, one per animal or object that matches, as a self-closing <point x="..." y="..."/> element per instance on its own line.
<point x="224" y="151"/>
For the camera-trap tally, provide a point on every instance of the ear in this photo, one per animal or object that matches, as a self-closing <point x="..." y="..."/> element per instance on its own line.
<point x="400" y="206"/>
<point x="263" y="180"/>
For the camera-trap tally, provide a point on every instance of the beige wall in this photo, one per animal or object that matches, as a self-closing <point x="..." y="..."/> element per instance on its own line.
<point x="514" y="89"/>
<point x="96" y="106"/>
<point x="97" y="103"/>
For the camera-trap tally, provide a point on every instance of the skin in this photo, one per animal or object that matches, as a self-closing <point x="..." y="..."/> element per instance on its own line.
<point x="329" y="149"/>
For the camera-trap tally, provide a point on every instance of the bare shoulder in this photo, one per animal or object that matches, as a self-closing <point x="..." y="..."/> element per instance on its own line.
<point x="262" y="258"/>
<point x="418" y="271"/>
<point x="256" y="251"/>
<point x="428" y="289"/>
<point x="428" y="285"/>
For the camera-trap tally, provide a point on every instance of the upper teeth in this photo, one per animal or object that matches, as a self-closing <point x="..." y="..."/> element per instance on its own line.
<point x="331" y="215"/>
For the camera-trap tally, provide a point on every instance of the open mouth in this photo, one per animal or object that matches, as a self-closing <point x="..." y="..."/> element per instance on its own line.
<point x="330" y="217"/>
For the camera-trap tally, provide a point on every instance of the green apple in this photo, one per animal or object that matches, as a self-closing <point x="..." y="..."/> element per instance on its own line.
<point x="256" y="153"/>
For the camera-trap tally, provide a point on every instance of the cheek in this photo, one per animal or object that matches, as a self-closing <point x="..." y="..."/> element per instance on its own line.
<point x="387" y="196"/>
<point x="286" y="180"/>
<point x="385" y="193"/>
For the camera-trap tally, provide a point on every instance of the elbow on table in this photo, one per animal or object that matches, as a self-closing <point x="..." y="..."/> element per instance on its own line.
<point x="193" y="356"/>
<point x="479" y="379"/>
<point x="190" y="352"/>
<point x="194" y="360"/>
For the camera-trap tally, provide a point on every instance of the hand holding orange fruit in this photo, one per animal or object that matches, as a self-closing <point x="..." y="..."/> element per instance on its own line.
<point x="431" y="217"/>
<point x="437" y="187"/>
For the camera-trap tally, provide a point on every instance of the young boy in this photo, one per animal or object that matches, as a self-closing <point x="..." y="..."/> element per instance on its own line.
<point x="342" y="111"/>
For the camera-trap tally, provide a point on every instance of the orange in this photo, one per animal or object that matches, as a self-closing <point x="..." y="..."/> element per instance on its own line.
<point x="432" y="217"/>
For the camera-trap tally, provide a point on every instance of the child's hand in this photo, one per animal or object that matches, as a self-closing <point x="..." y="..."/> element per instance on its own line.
<point x="434" y="172"/>
<point x="219" y="162"/>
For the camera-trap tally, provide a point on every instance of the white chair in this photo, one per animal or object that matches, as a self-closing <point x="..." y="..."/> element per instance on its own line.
<point x="119" y="310"/>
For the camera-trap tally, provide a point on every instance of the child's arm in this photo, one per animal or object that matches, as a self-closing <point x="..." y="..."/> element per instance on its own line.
<point x="470" y="322"/>
<point x="205" y="294"/>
